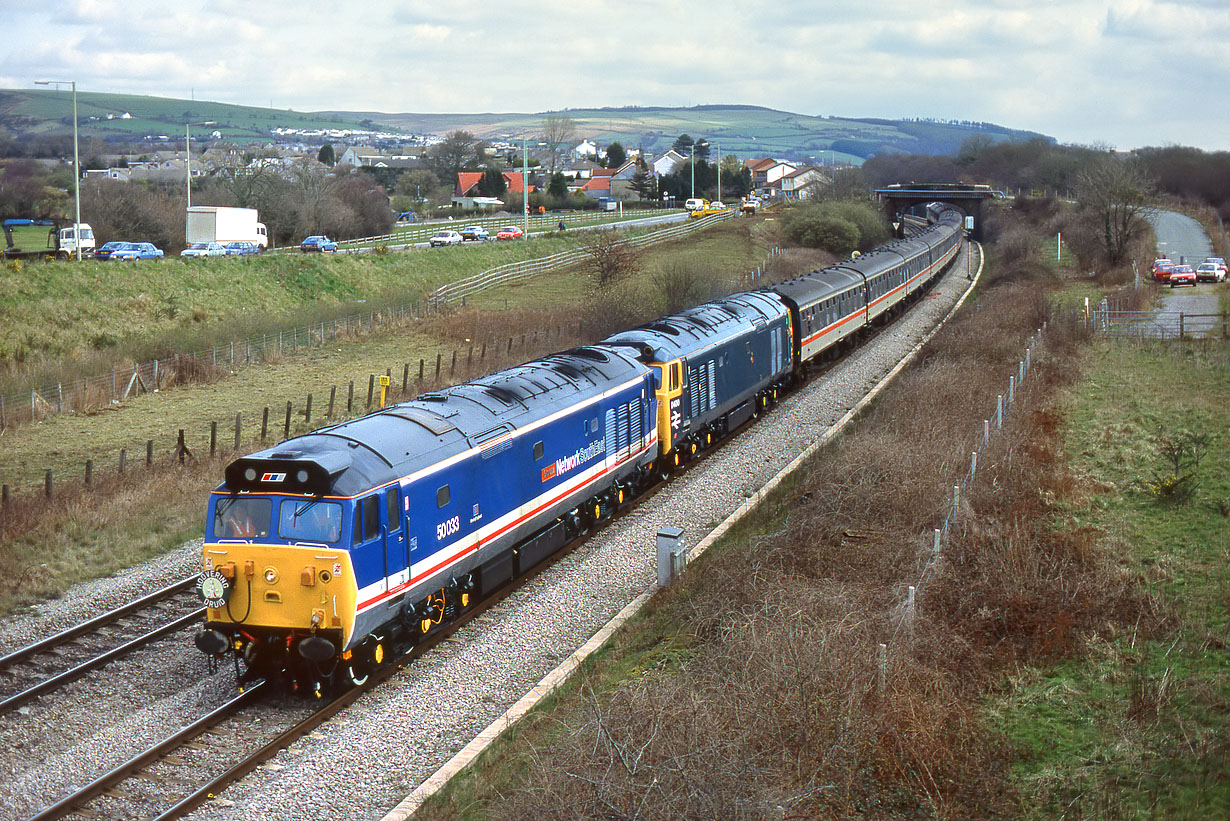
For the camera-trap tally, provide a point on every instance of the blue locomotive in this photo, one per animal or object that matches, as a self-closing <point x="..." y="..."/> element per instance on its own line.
<point x="328" y="552"/>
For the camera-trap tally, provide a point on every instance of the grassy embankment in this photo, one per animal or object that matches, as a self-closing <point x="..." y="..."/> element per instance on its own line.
<point x="122" y="522"/>
<point x="1068" y="660"/>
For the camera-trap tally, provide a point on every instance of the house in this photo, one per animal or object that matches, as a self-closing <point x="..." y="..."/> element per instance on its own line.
<point x="580" y="169"/>
<point x="585" y="150"/>
<point x="621" y="181"/>
<point x="802" y="183"/>
<point x="667" y="163"/>
<point x="766" y="175"/>
<point x="360" y="155"/>
<point x="467" y="181"/>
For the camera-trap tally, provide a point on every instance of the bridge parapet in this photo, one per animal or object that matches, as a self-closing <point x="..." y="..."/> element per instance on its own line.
<point x="901" y="197"/>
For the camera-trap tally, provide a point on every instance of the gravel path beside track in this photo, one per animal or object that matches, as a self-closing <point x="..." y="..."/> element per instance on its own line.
<point x="367" y="759"/>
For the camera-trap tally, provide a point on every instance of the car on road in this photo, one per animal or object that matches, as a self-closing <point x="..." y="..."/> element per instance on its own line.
<point x="477" y="233"/>
<point x="1218" y="261"/>
<point x="1210" y="272"/>
<point x="1182" y="275"/>
<point x="136" y="250"/>
<point x="1161" y="269"/>
<point x="105" y="250"/>
<point x="242" y="248"/>
<point x="445" y="237"/>
<point x="511" y="232"/>
<point x="204" y="249"/>
<point x="317" y="244"/>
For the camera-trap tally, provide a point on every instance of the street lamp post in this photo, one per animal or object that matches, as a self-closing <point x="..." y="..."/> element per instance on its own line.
<point x="76" y="158"/>
<point x="693" y="164"/>
<point x="188" y="153"/>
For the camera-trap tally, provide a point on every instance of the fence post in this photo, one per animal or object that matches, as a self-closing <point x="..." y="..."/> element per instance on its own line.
<point x="405" y="378"/>
<point x="973" y="464"/>
<point x="47" y="484"/>
<point x="123" y="458"/>
<point x="332" y="396"/>
<point x="999" y="411"/>
<point x="371" y="388"/>
<point x="265" y="424"/>
<point x="213" y="439"/>
<point x="986" y="433"/>
<point x="881" y="667"/>
<point x="350" y="399"/>
<point x="439" y="359"/>
<point x="4" y="495"/>
<point x="149" y="453"/>
<point x="287" y="434"/>
<point x="181" y="447"/>
<point x="4" y="422"/>
<point x="60" y="385"/>
<point x="1180" y="324"/>
<point x="483" y="355"/>
<point x="307" y="411"/>
<point x="89" y="472"/>
<point x="238" y="429"/>
<point x="421" y="362"/>
<point x="452" y="369"/>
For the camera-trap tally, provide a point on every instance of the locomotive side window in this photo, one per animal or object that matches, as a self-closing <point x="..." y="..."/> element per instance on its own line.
<point x="442" y="497"/>
<point x="367" y="519"/>
<point x="537" y="451"/>
<point x="241" y="518"/>
<point x="394" y="510"/>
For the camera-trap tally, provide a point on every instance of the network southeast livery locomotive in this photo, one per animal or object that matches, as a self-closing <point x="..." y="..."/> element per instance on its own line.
<point x="329" y="552"/>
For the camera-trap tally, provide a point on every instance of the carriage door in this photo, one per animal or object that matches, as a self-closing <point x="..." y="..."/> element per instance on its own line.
<point x="396" y="555"/>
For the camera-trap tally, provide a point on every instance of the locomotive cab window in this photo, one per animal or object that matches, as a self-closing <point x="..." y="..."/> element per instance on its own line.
<point x="442" y="497"/>
<point x="237" y="517"/>
<point x="309" y="520"/>
<point x="367" y="519"/>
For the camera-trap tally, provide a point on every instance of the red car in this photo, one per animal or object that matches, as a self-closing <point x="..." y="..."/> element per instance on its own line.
<point x="511" y="232"/>
<point x="1182" y="275"/>
<point x="1161" y="269"/>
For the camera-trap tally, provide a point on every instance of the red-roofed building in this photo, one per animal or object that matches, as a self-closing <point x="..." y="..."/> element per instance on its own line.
<point x="467" y="180"/>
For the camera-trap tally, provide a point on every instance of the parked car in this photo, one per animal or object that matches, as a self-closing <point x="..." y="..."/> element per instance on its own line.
<point x="1161" y="269"/>
<point x="1218" y="261"/>
<point x="204" y="249"/>
<point x="317" y="244"/>
<point x="511" y="232"/>
<point x="475" y="232"/>
<point x="1182" y="275"/>
<point x="105" y="250"/>
<point x="1210" y="272"/>
<point x="136" y="250"/>
<point x="242" y="248"/>
<point x="445" y="237"/>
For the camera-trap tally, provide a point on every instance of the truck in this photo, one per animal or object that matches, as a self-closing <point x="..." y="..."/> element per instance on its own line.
<point x="62" y="240"/>
<point x="209" y="223"/>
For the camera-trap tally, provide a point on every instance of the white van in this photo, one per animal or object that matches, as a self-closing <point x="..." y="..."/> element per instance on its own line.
<point x="694" y="203"/>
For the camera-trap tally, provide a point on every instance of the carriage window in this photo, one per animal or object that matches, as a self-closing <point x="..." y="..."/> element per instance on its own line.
<point x="537" y="450"/>
<point x="442" y="497"/>
<point x="241" y="518"/>
<point x="367" y="519"/>
<point x="394" y="510"/>
<point x="309" y="520"/>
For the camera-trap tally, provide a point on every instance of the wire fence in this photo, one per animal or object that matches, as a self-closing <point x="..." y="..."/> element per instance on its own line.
<point x="516" y="271"/>
<point x="992" y="427"/>
<point x="92" y="393"/>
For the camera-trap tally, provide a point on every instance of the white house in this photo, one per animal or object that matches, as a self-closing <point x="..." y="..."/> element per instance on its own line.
<point x="585" y="150"/>
<point x="668" y="162"/>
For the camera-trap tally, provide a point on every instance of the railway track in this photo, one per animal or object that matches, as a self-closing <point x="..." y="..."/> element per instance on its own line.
<point x="174" y="776"/>
<point x="49" y="664"/>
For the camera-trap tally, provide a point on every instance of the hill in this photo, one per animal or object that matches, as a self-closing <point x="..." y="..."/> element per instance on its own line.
<point x="741" y="129"/>
<point x="128" y="118"/>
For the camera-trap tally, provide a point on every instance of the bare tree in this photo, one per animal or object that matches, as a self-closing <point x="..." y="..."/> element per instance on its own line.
<point x="460" y="149"/>
<point x="557" y="132"/>
<point x="611" y="259"/>
<point x="1115" y="190"/>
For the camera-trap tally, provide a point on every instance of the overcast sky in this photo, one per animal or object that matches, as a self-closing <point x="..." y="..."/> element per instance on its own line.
<point x="1126" y="73"/>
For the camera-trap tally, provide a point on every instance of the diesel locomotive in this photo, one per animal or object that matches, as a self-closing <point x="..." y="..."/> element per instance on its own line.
<point x="331" y="551"/>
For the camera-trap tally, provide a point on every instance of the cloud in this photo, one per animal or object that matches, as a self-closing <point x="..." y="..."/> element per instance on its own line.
<point x="1076" y="69"/>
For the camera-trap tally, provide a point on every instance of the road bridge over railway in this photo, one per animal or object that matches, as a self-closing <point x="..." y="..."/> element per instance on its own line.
<point x="899" y="198"/>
